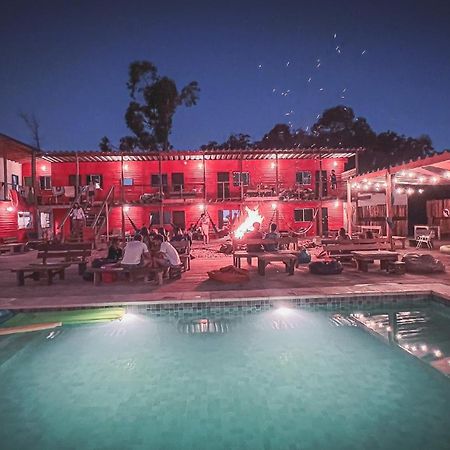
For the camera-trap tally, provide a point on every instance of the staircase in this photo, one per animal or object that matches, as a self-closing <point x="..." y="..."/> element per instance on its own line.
<point x="96" y="220"/>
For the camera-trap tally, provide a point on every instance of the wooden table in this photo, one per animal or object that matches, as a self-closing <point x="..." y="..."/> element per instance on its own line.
<point x="364" y="258"/>
<point x="36" y="270"/>
<point x="11" y="248"/>
<point x="287" y="258"/>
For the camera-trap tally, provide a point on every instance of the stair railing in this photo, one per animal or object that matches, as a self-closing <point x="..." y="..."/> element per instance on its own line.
<point x="103" y="207"/>
<point x="83" y="189"/>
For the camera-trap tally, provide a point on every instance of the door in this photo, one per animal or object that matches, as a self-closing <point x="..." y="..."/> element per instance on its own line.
<point x="324" y="222"/>
<point x="324" y="183"/>
<point x="179" y="219"/>
<point x="223" y="185"/>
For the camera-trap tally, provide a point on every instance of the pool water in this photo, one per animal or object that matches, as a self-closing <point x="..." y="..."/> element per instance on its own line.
<point x="276" y="379"/>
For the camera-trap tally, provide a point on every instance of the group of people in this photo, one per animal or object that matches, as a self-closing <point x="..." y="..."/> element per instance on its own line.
<point x="148" y="248"/>
<point x="343" y="235"/>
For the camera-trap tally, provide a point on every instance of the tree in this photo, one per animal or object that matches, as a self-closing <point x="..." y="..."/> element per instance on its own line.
<point x="33" y="126"/>
<point x="105" y="144"/>
<point x="154" y="101"/>
<point x="278" y="137"/>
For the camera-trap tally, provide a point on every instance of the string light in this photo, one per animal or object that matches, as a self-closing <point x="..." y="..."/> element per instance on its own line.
<point x="434" y="180"/>
<point x="399" y="190"/>
<point x="420" y="191"/>
<point x="410" y="191"/>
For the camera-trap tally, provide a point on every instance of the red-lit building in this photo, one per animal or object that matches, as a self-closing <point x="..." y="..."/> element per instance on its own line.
<point x="283" y="184"/>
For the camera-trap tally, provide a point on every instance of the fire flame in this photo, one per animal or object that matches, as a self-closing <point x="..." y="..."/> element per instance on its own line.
<point x="247" y="225"/>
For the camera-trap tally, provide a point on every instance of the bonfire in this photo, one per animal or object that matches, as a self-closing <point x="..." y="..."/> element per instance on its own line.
<point x="252" y="216"/>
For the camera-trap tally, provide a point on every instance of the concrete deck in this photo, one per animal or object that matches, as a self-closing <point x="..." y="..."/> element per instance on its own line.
<point x="195" y="285"/>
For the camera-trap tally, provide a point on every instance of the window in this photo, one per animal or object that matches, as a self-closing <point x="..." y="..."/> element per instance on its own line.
<point x="15" y="181"/>
<point x="303" y="177"/>
<point x="45" y="220"/>
<point x="24" y="220"/>
<point x="155" y="180"/>
<point x="45" y="182"/>
<point x="177" y="181"/>
<point x="223" y="177"/>
<point x="228" y="217"/>
<point x="239" y="177"/>
<point x="303" y="215"/>
<point x="73" y="180"/>
<point x="96" y="179"/>
<point x="128" y="181"/>
<point x="154" y="218"/>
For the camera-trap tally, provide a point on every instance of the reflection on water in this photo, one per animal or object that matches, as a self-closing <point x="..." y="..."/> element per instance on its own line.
<point x="424" y="333"/>
<point x="203" y="326"/>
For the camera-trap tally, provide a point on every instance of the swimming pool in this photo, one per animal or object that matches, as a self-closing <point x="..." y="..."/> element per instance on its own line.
<point x="229" y="378"/>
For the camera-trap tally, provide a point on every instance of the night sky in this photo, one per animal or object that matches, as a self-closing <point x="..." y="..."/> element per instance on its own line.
<point x="68" y="64"/>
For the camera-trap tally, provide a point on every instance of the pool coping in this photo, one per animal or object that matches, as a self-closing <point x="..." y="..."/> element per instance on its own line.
<point x="269" y="296"/>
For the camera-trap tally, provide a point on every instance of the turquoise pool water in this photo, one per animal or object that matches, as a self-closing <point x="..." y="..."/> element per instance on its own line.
<point x="276" y="379"/>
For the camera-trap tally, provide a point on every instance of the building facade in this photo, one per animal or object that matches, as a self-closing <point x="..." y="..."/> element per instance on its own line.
<point x="299" y="189"/>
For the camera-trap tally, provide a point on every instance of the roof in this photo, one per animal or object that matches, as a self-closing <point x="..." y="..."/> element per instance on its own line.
<point x="308" y="153"/>
<point x="15" y="150"/>
<point x="429" y="170"/>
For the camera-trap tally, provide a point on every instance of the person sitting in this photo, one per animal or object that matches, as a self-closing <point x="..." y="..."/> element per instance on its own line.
<point x="164" y="254"/>
<point x="273" y="234"/>
<point x="177" y="235"/>
<point x="114" y="251"/>
<point x="342" y="235"/>
<point x="135" y="253"/>
<point x="254" y="234"/>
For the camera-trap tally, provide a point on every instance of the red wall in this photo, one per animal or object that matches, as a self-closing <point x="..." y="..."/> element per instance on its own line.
<point x="261" y="172"/>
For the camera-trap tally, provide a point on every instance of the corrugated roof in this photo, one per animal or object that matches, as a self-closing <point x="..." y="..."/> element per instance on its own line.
<point x="96" y="156"/>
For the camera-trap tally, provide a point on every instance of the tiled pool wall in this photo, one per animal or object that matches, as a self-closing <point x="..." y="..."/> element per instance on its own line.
<point x="234" y="307"/>
<point x="238" y="307"/>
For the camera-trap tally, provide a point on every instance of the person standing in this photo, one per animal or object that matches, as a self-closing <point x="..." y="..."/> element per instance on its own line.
<point x="78" y="221"/>
<point x="204" y="223"/>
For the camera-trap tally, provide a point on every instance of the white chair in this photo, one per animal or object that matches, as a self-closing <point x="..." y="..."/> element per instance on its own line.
<point x="425" y="239"/>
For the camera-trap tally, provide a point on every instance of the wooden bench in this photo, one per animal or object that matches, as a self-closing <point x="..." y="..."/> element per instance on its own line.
<point x="131" y="272"/>
<point x="364" y="258"/>
<point x="184" y="251"/>
<point x="240" y="247"/>
<point x="11" y="245"/>
<point x="343" y="249"/>
<point x="36" y="270"/>
<point x="266" y="258"/>
<point x="69" y="256"/>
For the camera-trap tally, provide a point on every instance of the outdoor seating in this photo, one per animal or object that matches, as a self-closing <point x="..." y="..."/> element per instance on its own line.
<point x="266" y="258"/>
<point x="343" y="250"/>
<point x="11" y="245"/>
<point x="329" y="267"/>
<point x="68" y="256"/>
<point x="416" y="263"/>
<point x="35" y="271"/>
<point x="240" y="248"/>
<point x="424" y="239"/>
<point x="364" y="258"/>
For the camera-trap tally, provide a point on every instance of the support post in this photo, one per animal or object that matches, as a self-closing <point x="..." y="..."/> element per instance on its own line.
<point x="5" y="176"/>
<point x="122" y="197"/>
<point x="204" y="179"/>
<point x="389" y="205"/>
<point x="107" y="221"/>
<point x="320" y="213"/>
<point x="277" y="191"/>
<point x="349" y="208"/>
<point x="77" y="175"/>
<point x="161" y="191"/>
<point x="241" y="183"/>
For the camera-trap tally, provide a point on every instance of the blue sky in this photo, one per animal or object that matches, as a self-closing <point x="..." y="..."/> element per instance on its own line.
<point x="68" y="64"/>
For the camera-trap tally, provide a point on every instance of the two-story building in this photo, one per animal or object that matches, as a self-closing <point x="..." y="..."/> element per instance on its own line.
<point x="298" y="189"/>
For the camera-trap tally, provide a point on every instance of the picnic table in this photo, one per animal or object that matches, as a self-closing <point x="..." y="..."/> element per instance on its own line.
<point x="284" y="256"/>
<point x="12" y="247"/>
<point x="364" y="258"/>
<point x="35" y="271"/>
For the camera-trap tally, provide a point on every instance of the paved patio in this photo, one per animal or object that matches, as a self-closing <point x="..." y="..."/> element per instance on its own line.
<point x="195" y="285"/>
